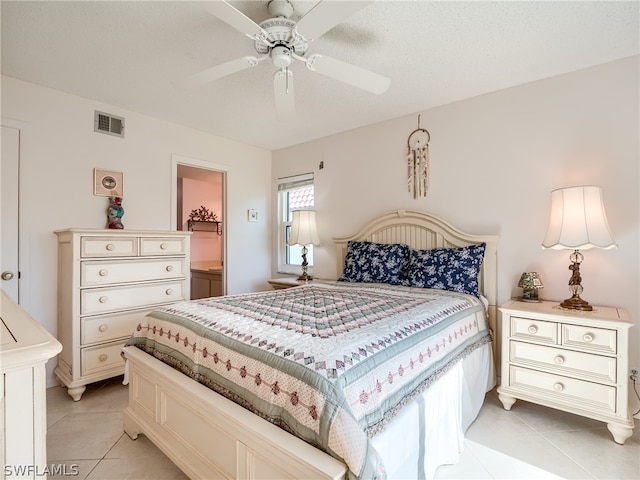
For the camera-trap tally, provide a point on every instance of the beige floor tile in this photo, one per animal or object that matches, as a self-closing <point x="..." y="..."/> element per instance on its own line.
<point x="141" y="447"/>
<point x="84" y="436"/>
<point x="495" y="421"/>
<point x="545" y="419"/>
<point x="503" y="455"/>
<point x="596" y="452"/>
<point x="468" y="467"/>
<point x="76" y="469"/>
<point x="152" y="468"/>
<point x="506" y="467"/>
<point x="111" y="396"/>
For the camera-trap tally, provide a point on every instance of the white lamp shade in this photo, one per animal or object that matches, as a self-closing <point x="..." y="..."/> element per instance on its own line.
<point x="303" y="228"/>
<point x="578" y="220"/>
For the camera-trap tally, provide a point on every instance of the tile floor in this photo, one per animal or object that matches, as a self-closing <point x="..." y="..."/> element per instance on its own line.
<point x="529" y="442"/>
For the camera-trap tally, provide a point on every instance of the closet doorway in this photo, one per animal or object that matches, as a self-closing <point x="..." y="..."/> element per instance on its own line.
<point x="200" y="207"/>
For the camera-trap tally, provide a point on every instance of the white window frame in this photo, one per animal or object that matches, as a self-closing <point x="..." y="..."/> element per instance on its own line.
<point x="285" y="185"/>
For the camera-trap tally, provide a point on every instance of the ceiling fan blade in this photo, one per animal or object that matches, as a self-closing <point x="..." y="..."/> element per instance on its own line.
<point x="326" y="14"/>
<point x="219" y="71"/>
<point x="285" y="100"/>
<point x="234" y="17"/>
<point x="348" y="73"/>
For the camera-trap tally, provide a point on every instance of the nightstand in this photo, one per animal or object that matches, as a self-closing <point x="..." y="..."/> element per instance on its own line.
<point x="569" y="360"/>
<point x="285" y="282"/>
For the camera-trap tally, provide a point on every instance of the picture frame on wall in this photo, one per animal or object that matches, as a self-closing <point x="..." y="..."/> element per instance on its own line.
<point x="108" y="183"/>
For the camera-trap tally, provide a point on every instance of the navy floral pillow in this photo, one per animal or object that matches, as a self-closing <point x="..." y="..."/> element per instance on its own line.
<point x="454" y="269"/>
<point x="374" y="262"/>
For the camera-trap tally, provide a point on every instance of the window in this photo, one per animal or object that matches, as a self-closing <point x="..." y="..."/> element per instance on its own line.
<point x="294" y="193"/>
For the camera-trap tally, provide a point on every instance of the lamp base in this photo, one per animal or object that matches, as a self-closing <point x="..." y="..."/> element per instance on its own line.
<point x="576" y="303"/>
<point x="304" y="277"/>
<point x="529" y="300"/>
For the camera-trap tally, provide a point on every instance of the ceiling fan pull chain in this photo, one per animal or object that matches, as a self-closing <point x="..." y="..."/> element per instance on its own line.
<point x="286" y="72"/>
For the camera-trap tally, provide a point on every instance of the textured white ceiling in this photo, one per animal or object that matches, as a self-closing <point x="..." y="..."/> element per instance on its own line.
<point x="129" y="53"/>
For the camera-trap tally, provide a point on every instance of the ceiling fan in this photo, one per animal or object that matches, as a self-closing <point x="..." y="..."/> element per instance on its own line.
<point x="284" y="41"/>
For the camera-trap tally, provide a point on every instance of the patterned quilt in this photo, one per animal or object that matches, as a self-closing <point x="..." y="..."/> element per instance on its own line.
<point x="331" y="363"/>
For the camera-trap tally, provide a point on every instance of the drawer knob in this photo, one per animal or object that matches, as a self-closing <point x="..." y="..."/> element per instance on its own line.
<point x="163" y="246"/>
<point x="103" y="328"/>
<point x="169" y="268"/>
<point x="532" y="329"/>
<point x="559" y="360"/>
<point x="103" y="273"/>
<point x="168" y="291"/>
<point x="558" y="387"/>
<point x="110" y="246"/>
<point x="103" y="357"/>
<point x="587" y="338"/>
<point x="103" y="299"/>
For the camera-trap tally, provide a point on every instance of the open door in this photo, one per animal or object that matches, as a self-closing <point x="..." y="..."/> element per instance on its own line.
<point x="200" y="206"/>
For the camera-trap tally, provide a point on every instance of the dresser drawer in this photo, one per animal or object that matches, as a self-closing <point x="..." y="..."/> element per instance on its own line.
<point x="571" y="392"/>
<point x="108" y="247"/>
<point x="94" y="273"/>
<point x="105" y="300"/>
<point x="534" y="330"/>
<point x="585" y="366"/>
<point x="102" y="328"/>
<point x="589" y="339"/>
<point x="101" y="358"/>
<point x="162" y="246"/>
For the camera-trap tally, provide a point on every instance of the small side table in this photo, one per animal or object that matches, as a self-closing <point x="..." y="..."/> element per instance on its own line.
<point x="569" y="360"/>
<point x="285" y="282"/>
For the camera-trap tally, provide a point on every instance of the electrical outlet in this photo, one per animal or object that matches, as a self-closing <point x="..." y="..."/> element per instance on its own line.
<point x="633" y="374"/>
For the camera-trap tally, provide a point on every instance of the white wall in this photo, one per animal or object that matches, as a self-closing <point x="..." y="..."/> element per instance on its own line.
<point x="58" y="153"/>
<point x="494" y="161"/>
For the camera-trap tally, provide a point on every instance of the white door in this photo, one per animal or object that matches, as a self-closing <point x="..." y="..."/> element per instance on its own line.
<point x="9" y="211"/>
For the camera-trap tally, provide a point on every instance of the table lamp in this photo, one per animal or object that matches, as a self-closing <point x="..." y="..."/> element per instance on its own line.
<point x="303" y="232"/>
<point x="530" y="283"/>
<point x="578" y="222"/>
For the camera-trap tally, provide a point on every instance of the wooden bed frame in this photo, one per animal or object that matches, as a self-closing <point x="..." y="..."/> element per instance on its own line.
<point x="209" y="437"/>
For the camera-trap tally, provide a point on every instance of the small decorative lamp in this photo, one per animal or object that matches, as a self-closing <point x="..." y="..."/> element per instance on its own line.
<point x="304" y="232"/>
<point x="578" y="222"/>
<point x="530" y="283"/>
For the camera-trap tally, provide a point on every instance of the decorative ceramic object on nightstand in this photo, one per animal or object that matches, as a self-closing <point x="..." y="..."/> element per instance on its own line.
<point x="569" y="360"/>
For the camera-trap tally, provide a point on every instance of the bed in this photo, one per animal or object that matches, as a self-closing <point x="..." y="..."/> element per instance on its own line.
<point x="421" y="413"/>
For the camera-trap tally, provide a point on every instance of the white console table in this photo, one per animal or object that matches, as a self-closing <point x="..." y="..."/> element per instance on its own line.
<point x="25" y="347"/>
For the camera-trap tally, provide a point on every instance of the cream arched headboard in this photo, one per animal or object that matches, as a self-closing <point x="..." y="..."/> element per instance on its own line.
<point x="422" y="231"/>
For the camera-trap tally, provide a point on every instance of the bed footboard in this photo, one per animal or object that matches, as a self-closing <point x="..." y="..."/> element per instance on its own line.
<point x="209" y="436"/>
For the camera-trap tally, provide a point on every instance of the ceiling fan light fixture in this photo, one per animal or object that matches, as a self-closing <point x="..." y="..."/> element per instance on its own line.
<point x="281" y="56"/>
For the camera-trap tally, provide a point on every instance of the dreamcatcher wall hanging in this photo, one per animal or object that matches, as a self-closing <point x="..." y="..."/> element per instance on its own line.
<point x="418" y="161"/>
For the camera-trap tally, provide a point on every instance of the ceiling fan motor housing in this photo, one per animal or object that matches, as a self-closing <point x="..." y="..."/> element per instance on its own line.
<point x="280" y="8"/>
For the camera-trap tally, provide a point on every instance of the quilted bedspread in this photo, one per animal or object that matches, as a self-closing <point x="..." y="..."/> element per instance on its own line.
<point x="331" y="363"/>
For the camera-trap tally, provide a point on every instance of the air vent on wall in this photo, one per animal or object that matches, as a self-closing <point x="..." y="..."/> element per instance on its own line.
<point x="107" y="123"/>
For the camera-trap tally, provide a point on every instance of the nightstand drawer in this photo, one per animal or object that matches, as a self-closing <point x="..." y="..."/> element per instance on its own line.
<point x="568" y="391"/>
<point x="590" y="339"/>
<point x="103" y="328"/>
<point x="104" y="300"/>
<point x="104" y="357"/>
<point x="534" y="330"/>
<point x="162" y="246"/>
<point x="104" y="273"/>
<point x="108" y="247"/>
<point x="585" y="366"/>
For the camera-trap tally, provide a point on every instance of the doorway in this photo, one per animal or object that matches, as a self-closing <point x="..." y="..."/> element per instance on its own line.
<point x="9" y="181"/>
<point x="200" y="202"/>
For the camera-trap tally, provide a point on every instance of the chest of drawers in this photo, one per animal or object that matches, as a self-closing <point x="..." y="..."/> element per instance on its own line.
<point x="571" y="361"/>
<point x="108" y="280"/>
